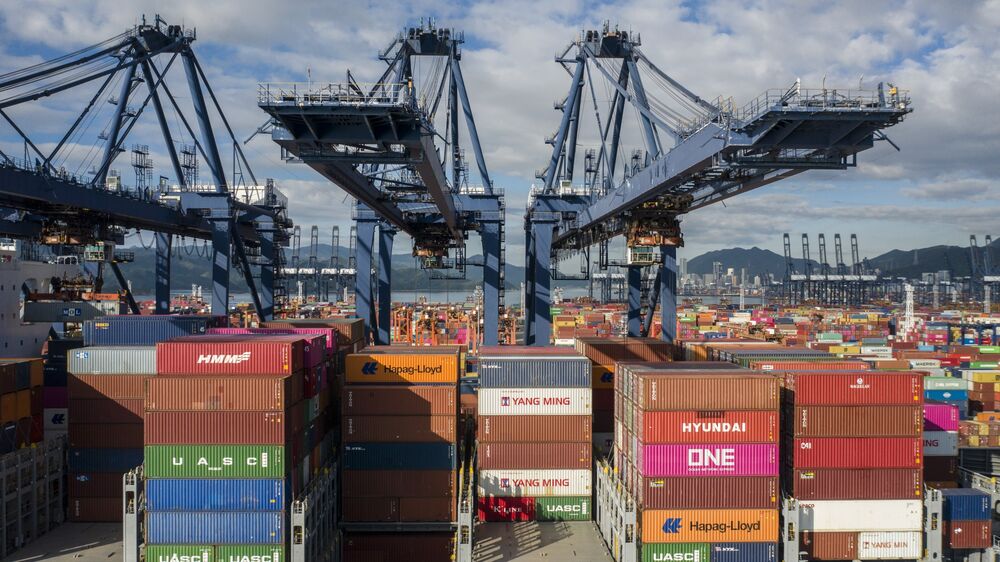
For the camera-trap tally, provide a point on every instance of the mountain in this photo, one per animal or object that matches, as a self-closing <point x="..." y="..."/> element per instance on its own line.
<point x="757" y="261"/>
<point x="911" y="263"/>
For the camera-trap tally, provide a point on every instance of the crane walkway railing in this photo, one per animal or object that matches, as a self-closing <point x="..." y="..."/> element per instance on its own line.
<point x="348" y="93"/>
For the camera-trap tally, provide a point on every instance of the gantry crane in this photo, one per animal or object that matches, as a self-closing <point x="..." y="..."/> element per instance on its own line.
<point x="381" y="143"/>
<point x="694" y="153"/>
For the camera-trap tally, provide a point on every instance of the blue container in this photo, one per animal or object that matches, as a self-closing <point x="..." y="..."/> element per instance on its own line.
<point x="55" y="376"/>
<point x="399" y="456"/>
<point x="145" y="330"/>
<point x="947" y="395"/>
<point x="966" y="504"/>
<point x="22" y="376"/>
<point x="208" y="527"/>
<point x="168" y="494"/>
<point x="104" y="460"/>
<point x="56" y="350"/>
<point x="925" y="348"/>
<point x="535" y="372"/>
<point x="743" y="552"/>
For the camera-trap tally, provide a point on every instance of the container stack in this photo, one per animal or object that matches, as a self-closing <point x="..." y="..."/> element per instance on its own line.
<point x="856" y="451"/>
<point x="941" y="439"/>
<point x="968" y="520"/>
<point x="232" y="424"/>
<point x="948" y="390"/>
<point x="21" y="400"/>
<point x="534" y="435"/>
<point x="698" y="450"/>
<point x="55" y="398"/>
<point x="400" y="455"/>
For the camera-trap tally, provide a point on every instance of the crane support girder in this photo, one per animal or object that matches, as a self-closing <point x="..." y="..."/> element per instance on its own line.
<point x="432" y="173"/>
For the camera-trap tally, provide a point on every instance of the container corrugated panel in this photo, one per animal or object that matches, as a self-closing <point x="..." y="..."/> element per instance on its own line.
<point x="664" y="552"/>
<point x="398" y="483"/>
<point x="940" y="417"/>
<point x="215" y="461"/>
<point x="890" y="545"/>
<point x="329" y="334"/>
<point x="945" y="383"/>
<point x="709" y="391"/>
<point x="861" y="515"/>
<point x="380" y="365"/>
<point x="95" y="510"/>
<point x="247" y="553"/>
<point x="709" y="525"/>
<point x="534" y="483"/>
<point x="222" y="393"/>
<point x="99" y="435"/>
<point x="534" y="455"/>
<point x="178" y="552"/>
<point x="231" y="355"/>
<point x="968" y="534"/>
<point x="965" y="504"/>
<point x="941" y="444"/>
<point x="399" y="428"/>
<point x="744" y="552"/>
<point x="713" y="426"/>
<point x="216" y="428"/>
<point x="573" y="508"/>
<point x="533" y="372"/>
<point x="130" y="329"/>
<point x="809" y="366"/>
<point x="535" y="401"/>
<point x="349" y="330"/>
<point x="831" y="545"/>
<point x="399" y="400"/>
<point x="398" y="547"/>
<point x="857" y="421"/>
<point x="710" y="459"/>
<point x="122" y="360"/>
<point x="856" y="389"/>
<point x="845" y="452"/>
<point x="216" y="494"/>
<point x="709" y="492"/>
<point x="399" y="456"/>
<point x="106" y="386"/>
<point x="104" y="460"/>
<point x="852" y="484"/>
<point x="94" y="485"/>
<point x="946" y="395"/>
<point x="607" y="352"/>
<point x="208" y="527"/>
<point x="505" y="509"/>
<point x="534" y="429"/>
<point x="107" y="411"/>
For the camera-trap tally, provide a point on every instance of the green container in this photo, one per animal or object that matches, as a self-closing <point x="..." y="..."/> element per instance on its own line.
<point x="989" y="349"/>
<point x="178" y="553"/>
<point x="248" y="553"/>
<point x="571" y="508"/>
<point x="945" y="383"/>
<point x="215" y="461"/>
<point x="984" y="365"/>
<point x="679" y="552"/>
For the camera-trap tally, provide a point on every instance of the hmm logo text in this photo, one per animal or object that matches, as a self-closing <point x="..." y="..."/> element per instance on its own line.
<point x="213" y="359"/>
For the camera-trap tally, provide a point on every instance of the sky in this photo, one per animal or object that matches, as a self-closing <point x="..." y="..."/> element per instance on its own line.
<point x="938" y="189"/>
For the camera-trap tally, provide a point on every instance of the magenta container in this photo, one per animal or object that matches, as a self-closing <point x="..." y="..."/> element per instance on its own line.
<point x="940" y="417"/>
<point x="314" y="354"/>
<point x="55" y="397"/>
<point x="708" y="460"/>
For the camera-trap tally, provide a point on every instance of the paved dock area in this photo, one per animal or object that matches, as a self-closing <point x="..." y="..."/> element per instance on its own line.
<point x="74" y="542"/>
<point x="577" y="541"/>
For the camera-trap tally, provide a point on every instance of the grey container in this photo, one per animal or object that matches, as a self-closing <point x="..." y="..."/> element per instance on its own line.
<point x="535" y="372"/>
<point x="113" y="360"/>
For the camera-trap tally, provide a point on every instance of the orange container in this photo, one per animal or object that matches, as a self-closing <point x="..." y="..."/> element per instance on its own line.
<point x="23" y="404"/>
<point x="405" y="365"/>
<point x="709" y="525"/>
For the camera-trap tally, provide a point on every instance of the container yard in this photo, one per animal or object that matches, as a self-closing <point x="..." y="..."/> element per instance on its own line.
<point x="354" y="403"/>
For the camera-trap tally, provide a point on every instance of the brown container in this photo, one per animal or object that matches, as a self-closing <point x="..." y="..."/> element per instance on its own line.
<point x="392" y="510"/>
<point x="94" y="485"/>
<point x="856" y="421"/>
<point x="413" y="510"/>
<point x="709" y="492"/>
<point x="847" y="484"/>
<point x="370" y="510"/>
<point x="216" y="428"/>
<point x="546" y="456"/>
<point x="829" y="545"/>
<point x="713" y="390"/>
<point x="91" y="387"/>
<point x="607" y="352"/>
<point x="105" y="436"/>
<point x="222" y="393"/>
<point x="382" y="429"/>
<point x="349" y="330"/>
<point x="968" y="534"/>
<point x="505" y="351"/>
<point x="399" y="547"/>
<point x="95" y="510"/>
<point x="398" y="483"/>
<point x="387" y="400"/>
<point x="108" y="411"/>
<point x="534" y="429"/>
<point x="940" y="469"/>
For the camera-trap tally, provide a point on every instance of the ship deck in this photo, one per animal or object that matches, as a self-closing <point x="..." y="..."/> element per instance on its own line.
<point x="577" y="541"/>
<point x="74" y="542"/>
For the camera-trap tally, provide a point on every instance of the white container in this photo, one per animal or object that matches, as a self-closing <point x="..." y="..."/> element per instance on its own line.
<point x="569" y="342"/>
<point x="534" y="483"/>
<point x="118" y="360"/>
<point x="864" y="515"/>
<point x="925" y="364"/>
<point x="890" y="545"/>
<point x="940" y="443"/>
<point x="535" y="401"/>
<point x="877" y="351"/>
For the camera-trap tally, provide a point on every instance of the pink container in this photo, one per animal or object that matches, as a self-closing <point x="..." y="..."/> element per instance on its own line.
<point x="708" y="460"/>
<point x="55" y="397"/>
<point x="940" y="417"/>
<point x="330" y="333"/>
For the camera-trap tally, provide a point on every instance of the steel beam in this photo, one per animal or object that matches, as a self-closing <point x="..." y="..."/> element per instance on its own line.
<point x="20" y="228"/>
<point x="204" y="123"/>
<point x="359" y="187"/>
<point x="550" y="175"/>
<point x="541" y="331"/>
<point x="386" y="233"/>
<point x="477" y="148"/>
<point x="241" y="255"/>
<point x="162" y="267"/>
<point x="168" y="139"/>
<point x="668" y="294"/>
<point x="111" y="149"/>
<point x="490" y="235"/>
<point x="528" y="304"/>
<point x="634" y="279"/>
<point x="653" y="299"/>
<point x="432" y="173"/>
<point x="268" y="252"/>
<point x="221" y="265"/>
<point x="123" y="285"/>
<point x="364" y="303"/>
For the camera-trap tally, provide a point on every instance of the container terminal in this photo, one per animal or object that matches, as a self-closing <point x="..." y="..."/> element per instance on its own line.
<point x="850" y="417"/>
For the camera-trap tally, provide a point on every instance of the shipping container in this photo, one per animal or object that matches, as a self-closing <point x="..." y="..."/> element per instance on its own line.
<point x="215" y="461"/>
<point x="709" y="525"/>
<point x="711" y="390"/>
<point x="215" y="494"/>
<point x="857" y="421"/>
<point x="232" y="355"/>
<point x="398" y="547"/>
<point x="398" y="428"/>
<point x="329" y="334"/>
<point x="744" y="552"/>
<point x="222" y="393"/>
<point x="861" y="515"/>
<point x="95" y="510"/>
<point x="534" y="455"/>
<point x="507" y="371"/>
<point x="852" y="484"/>
<point x="399" y="400"/>
<point x="99" y="435"/>
<point x="104" y="460"/>
<point x="968" y="534"/>
<point x="246" y="553"/>
<point x="505" y="509"/>
<point x="399" y="456"/>
<point x="534" y="483"/>
<point x="608" y="352"/>
<point x="215" y="527"/>
<point x="855" y="389"/>
<point x="708" y="492"/>
<point x="398" y="483"/>
<point x="217" y="428"/>
<point x="349" y="330"/>
<point x="381" y="365"/>
<point x="560" y="508"/>
<point x="94" y="485"/>
<point x="178" y="552"/>
<point x="91" y="387"/>
<point x="940" y="417"/>
<point x="941" y="444"/>
<point x="133" y="329"/>
<point x="890" y="545"/>
<point x="844" y="452"/>
<point x="713" y="426"/>
<point x="710" y="459"/>
<point x="534" y="429"/>
<point x="831" y="545"/>
<point x="121" y="360"/>
<point x="966" y="504"/>
<point x="664" y="552"/>
<point x="535" y="401"/>
<point x="108" y="411"/>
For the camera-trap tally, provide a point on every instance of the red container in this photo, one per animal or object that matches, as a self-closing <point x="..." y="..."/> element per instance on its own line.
<point x="861" y="389"/>
<point x="846" y="452"/>
<point x="534" y="456"/>
<point x="856" y="421"/>
<point x="829" y="545"/>
<point x="534" y="429"/>
<point x="106" y="386"/>
<point x="399" y="400"/>
<point x="105" y="436"/>
<point x="607" y="352"/>
<point x="790" y="366"/>
<point x="381" y="429"/>
<point x="710" y="426"/>
<point x="851" y="484"/>
<point x="968" y="534"/>
<point x="108" y="411"/>
<point x="222" y="393"/>
<point x="708" y="390"/>
<point x="505" y="509"/>
<point x="216" y="428"/>
<point x="232" y="355"/>
<point x="709" y="492"/>
<point x="398" y="483"/>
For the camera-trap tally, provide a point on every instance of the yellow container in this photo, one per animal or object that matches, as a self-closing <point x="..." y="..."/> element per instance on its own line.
<point x="603" y="377"/>
<point x="23" y="404"/>
<point x="402" y="365"/>
<point x="985" y="376"/>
